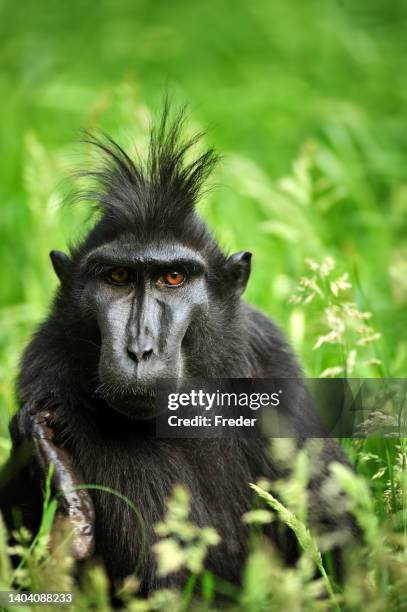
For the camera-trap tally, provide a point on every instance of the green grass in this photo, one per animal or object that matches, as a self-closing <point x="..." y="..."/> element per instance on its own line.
<point x="306" y="103"/>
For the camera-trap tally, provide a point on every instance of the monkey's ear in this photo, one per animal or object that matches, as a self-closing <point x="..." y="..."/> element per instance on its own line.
<point x="62" y="265"/>
<point x="239" y="265"/>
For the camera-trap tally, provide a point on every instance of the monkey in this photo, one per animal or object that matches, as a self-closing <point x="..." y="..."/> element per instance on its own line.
<point x="147" y="295"/>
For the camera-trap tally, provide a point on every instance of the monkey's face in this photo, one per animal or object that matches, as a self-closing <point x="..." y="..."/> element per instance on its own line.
<point x="143" y="301"/>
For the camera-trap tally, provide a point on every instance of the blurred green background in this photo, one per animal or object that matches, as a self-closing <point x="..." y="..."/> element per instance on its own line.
<point x="305" y="100"/>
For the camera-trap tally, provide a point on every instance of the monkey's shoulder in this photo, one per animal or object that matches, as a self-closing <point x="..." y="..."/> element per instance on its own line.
<point x="269" y="345"/>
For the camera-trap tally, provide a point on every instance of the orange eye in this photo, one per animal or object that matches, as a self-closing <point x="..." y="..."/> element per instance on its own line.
<point x="119" y="276"/>
<point x="172" y="279"/>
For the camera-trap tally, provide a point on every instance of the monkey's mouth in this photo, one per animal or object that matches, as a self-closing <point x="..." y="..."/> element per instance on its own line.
<point x="136" y="402"/>
<point x="134" y="406"/>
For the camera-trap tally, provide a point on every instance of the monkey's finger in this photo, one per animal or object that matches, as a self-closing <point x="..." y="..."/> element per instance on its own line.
<point x="21" y="424"/>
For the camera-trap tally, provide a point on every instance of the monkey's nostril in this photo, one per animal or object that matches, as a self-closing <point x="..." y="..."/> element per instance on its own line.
<point x="138" y="356"/>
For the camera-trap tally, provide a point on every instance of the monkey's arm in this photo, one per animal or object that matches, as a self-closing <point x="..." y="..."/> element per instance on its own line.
<point x="30" y="428"/>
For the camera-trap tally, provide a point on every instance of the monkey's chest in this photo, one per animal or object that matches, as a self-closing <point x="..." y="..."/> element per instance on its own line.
<point x="137" y="483"/>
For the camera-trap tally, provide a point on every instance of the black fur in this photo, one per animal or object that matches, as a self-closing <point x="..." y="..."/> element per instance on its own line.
<point x="59" y="368"/>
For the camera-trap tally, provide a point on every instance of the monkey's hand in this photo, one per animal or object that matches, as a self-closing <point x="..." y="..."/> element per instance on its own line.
<point x="33" y="425"/>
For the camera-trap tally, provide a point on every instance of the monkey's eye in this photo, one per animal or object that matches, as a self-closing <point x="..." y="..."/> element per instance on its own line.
<point x="118" y="276"/>
<point x="174" y="278"/>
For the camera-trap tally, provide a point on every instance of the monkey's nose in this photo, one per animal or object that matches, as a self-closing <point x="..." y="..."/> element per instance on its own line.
<point x="139" y="355"/>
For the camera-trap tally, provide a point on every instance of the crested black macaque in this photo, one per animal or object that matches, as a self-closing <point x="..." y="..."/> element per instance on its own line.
<point x="147" y="295"/>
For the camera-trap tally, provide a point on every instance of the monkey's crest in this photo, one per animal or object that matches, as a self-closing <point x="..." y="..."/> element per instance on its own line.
<point x="157" y="196"/>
